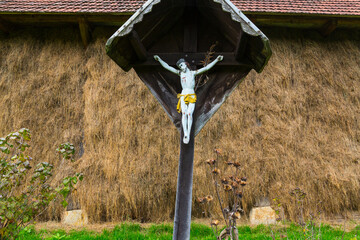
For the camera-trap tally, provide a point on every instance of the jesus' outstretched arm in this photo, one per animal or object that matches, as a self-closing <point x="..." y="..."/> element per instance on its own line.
<point x="166" y="66"/>
<point x="210" y="65"/>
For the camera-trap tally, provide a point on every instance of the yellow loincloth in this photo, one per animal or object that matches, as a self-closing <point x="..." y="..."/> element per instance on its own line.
<point x="188" y="98"/>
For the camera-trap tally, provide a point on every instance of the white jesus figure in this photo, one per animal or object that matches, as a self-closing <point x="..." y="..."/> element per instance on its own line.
<point x="187" y="97"/>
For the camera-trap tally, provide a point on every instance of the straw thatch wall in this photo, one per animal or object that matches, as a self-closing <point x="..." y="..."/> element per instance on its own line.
<point x="296" y="124"/>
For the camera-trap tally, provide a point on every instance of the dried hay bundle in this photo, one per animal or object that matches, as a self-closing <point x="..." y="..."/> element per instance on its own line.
<point x="296" y="124"/>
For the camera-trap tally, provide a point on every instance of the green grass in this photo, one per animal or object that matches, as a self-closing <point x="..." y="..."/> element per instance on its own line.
<point x="132" y="231"/>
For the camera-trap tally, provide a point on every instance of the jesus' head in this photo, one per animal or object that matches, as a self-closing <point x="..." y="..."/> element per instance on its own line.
<point x="182" y="64"/>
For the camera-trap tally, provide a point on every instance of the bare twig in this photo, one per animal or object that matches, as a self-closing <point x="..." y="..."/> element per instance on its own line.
<point x="217" y="191"/>
<point x="236" y="233"/>
<point x="208" y="56"/>
<point x="224" y="233"/>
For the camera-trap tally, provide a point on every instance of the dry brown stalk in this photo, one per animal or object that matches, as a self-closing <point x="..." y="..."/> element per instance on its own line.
<point x="295" y="124"/>
<point x="202" y="79"/>
<point x="231" y="208"/>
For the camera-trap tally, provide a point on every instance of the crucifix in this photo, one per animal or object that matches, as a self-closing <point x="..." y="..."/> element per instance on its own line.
<point x="187" y="97"/>
<point x="181" y="32"/>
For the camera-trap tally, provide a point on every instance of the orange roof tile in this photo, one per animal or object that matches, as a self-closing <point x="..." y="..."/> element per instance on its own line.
<point x="327" y="7"/>
<point x="70" y="6"/>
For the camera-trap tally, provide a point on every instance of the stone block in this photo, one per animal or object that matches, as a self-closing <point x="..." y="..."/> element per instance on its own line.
<point x="76" y="218"/>
<point x="262" y="215"/>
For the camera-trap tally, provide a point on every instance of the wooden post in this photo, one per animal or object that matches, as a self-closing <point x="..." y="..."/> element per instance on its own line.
<point x="328" y="27"/>
<point x="182" y="219"/>
<point x="139" y="48"/>
<point x="240" y="46"/>
<point x="84" y="31"/>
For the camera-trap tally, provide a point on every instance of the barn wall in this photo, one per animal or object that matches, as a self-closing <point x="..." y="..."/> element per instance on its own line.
<point x="297" y="124"/>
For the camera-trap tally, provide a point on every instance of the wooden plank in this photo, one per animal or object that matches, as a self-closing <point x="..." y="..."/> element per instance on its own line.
<point x="84" y="31"/>
<point x="214" y="93"/>
<point x="240" y="46"/>
<point x="138" y="46"/>
<point x="161" y="27"/>
<point x="220" y="19"/>
<point x="193" y="58"/>
<point x="154" y="26"/>
<point x="190" y="28"/>
<point x="164" y="86"/>
<point x="190" y="36"/>
<point x="328" y="27"/>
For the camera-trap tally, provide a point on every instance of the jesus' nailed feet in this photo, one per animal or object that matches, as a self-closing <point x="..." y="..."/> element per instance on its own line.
<point x="186" y="139"/>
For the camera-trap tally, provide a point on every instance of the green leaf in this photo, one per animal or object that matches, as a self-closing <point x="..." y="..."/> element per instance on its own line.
<point x="45" y="164"/>
<point x="65" y="191"/>
<point x="22" y="130"/>
<point x="27" y="165"/>
<point x="26" y="219"/>
<point x="5" y="150"/>
<point x="52" y="196"/>
<point x="9" y="215"/>
<point x="16" y="134"/>
<point x="66" y="181"/>
<point x="64" y="203"/>
<point x="74" y="180"/>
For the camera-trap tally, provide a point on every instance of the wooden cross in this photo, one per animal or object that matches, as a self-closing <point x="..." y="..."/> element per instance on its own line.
<point x="187" y="29"/>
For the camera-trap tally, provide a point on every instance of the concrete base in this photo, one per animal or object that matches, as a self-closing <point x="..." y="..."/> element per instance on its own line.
<point x="262" y="215"/>
<point x="75" y="218"/>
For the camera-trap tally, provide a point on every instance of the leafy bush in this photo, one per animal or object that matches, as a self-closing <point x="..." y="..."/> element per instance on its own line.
<point x="26" y="193"/>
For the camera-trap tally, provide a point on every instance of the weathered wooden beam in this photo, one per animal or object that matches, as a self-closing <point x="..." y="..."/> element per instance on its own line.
<point x="190" y="28"/>
<point x="219" y="20"/>
<point x="328" y="27"/>
<point x="240" y="46"/>
<point x="4" y="26"/>
<point x="139" y="48"/>
<point x="182" y="218"/>
<point x="84" y="31"/>
<point x="162" y="26"/>
<point x="193" y="58"/>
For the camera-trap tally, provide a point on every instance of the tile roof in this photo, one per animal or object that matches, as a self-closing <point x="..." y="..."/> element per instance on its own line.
<point x="70" y="6"/>
<point x="327" y="7"/>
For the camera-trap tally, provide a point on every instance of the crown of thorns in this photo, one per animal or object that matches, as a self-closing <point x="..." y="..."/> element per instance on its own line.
<point x="181" y="60"/>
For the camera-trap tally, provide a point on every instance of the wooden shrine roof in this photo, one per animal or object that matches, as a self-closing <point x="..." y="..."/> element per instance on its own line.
<point x="259" y="55"/>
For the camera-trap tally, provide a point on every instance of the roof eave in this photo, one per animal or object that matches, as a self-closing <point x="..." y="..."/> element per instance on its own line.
<point x="299" y="14"/>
